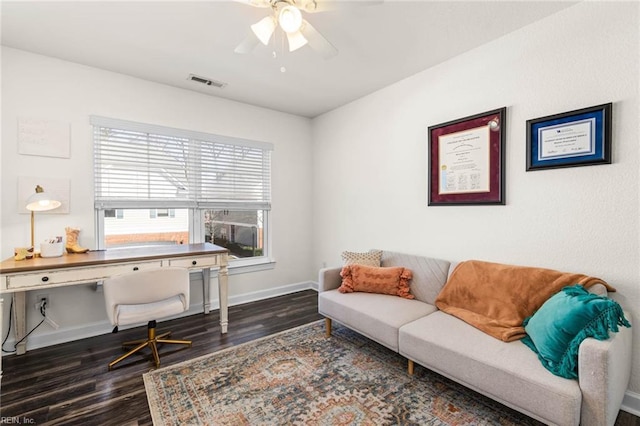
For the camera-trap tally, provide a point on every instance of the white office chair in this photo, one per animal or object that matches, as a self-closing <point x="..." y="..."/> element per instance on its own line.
<point x="147" y="295"/>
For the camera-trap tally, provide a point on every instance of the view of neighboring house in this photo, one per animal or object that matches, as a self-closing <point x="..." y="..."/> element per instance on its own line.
<point x="239" y="231"/>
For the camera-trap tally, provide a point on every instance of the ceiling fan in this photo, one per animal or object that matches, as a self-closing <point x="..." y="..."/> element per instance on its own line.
<point x="287" y="14"/>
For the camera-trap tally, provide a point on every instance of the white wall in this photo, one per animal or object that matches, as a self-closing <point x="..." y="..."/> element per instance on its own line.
<point x="35" y="86"/>
<point x="370" y="157"/>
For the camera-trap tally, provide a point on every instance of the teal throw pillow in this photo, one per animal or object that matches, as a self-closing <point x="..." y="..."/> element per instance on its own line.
<point x="556" y="330"/>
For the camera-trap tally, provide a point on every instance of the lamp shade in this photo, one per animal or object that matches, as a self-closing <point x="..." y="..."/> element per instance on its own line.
<point x="296" y="41"/>
<point x="263" y="29"/>
<point x="42" y="201"/>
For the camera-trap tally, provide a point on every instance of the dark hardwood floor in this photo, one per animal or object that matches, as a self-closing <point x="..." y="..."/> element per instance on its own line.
<point x="69" y="383"/>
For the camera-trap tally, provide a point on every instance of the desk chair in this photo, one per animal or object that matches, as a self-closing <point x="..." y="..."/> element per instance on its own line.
<point x="147" y="295"/>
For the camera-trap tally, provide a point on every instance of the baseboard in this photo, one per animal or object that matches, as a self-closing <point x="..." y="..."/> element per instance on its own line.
<point x="84" y="331"/>
<point x="631" y="403"/>
<point x="68" y="334"/>
<point x="266" y="294"/>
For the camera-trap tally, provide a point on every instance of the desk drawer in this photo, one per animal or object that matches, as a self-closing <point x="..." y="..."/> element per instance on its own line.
<point x="195" y="262"/>
<point x="74" y="275"/>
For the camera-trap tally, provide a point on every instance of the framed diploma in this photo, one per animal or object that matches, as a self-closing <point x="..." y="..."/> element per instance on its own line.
<point x="466" y="160"/>
<point x="576" y="138"/>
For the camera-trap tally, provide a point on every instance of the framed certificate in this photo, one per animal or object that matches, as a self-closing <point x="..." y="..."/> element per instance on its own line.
<point x="575" y="138"/>
<point x="466" y="160"/>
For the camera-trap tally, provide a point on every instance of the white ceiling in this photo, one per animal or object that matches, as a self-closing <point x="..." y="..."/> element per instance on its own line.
<point x="166" y="41"/>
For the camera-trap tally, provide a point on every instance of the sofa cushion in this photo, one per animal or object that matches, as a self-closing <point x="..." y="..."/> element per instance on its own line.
<point x="504" y="371"/>
<point x="370" y="279"/>
<point x="377" y="316"/>
<point x="556" y="330"/>
<point x="429" y="274"/>
<point x="370" y="258"/>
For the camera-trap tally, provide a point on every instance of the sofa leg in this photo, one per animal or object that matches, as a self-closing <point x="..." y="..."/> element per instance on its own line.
<point x="327" y="322"/>
<point x="410" y="367"/>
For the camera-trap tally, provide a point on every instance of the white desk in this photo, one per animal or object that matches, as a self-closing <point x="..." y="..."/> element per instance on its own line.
<point x="18" y="277"/>
<point x="1" y="334"/>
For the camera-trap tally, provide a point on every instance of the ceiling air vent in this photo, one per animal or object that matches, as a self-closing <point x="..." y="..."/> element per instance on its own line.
<point x="206" y="81"/>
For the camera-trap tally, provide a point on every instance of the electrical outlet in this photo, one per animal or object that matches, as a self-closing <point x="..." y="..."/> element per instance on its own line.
<point x="39" y="298"/>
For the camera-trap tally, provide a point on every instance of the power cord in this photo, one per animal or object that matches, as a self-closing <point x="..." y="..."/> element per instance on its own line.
<point x="43" y="312"/>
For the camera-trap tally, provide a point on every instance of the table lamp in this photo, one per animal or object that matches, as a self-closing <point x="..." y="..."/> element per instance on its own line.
<point x="40" y="202"/>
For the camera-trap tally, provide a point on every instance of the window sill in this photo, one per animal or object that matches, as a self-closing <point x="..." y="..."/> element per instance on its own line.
<point x="244" y="266"/>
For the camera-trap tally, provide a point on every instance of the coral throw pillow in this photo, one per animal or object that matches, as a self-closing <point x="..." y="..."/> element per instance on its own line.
<point x="371" y="279"/>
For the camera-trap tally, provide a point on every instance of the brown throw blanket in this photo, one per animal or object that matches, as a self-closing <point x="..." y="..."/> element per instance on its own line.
<point x="496" y="298"/>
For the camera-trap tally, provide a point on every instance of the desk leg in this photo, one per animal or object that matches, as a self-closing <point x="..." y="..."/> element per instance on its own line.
<point x="20" y="320"/>
<point x="206" y="290"/>
<point x="223" y="294"/>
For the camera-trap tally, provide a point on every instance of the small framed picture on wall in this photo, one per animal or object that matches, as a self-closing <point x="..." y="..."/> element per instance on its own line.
<point x="575" y="138"/>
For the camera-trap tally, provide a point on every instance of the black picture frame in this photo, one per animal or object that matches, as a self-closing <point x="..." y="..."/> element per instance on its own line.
<point x="575" y="138"/>
<point x="467" y="160"/>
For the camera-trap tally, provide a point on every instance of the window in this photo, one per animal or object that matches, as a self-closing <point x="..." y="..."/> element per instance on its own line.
<point x="240" y="231"/>
<point x="159" y="185"/>
<point x="154" y="213"/>
<point x="143" y="227"/>
<point x="116" y="213"/>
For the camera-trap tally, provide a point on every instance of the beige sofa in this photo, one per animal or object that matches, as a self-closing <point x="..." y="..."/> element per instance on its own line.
<point x="506" y="372"/>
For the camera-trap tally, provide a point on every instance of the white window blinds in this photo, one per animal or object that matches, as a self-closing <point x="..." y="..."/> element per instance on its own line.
<point x="146" y="166"/>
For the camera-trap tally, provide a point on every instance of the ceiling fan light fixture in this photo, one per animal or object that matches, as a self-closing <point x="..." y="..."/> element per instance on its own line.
<point x="296" y="41"/>
<point x="263" y="29"/>
<point x="290" y="19"/>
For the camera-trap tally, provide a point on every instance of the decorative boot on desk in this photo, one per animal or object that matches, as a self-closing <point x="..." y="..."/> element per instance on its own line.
<point x="72" y="241"/>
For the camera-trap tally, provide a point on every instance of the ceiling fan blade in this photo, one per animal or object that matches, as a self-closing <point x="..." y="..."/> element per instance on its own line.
<point x="315" y="6"/>
<point x="248" y="44"/>
<point x="317" y="42"/>
<point x="255" y="3"/>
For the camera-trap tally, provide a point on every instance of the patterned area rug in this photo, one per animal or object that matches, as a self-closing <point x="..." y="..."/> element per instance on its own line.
<point x="299" y="377"/>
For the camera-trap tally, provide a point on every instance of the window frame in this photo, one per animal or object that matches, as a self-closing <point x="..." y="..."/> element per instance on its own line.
<point x="196" y="211"/>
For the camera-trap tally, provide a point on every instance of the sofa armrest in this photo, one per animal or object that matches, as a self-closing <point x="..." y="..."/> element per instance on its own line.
<point x="329" y="279"/>
<point x="604" y="368"/>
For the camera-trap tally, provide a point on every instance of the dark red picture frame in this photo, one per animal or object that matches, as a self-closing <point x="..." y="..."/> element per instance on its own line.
<point x="495" y="121"/>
